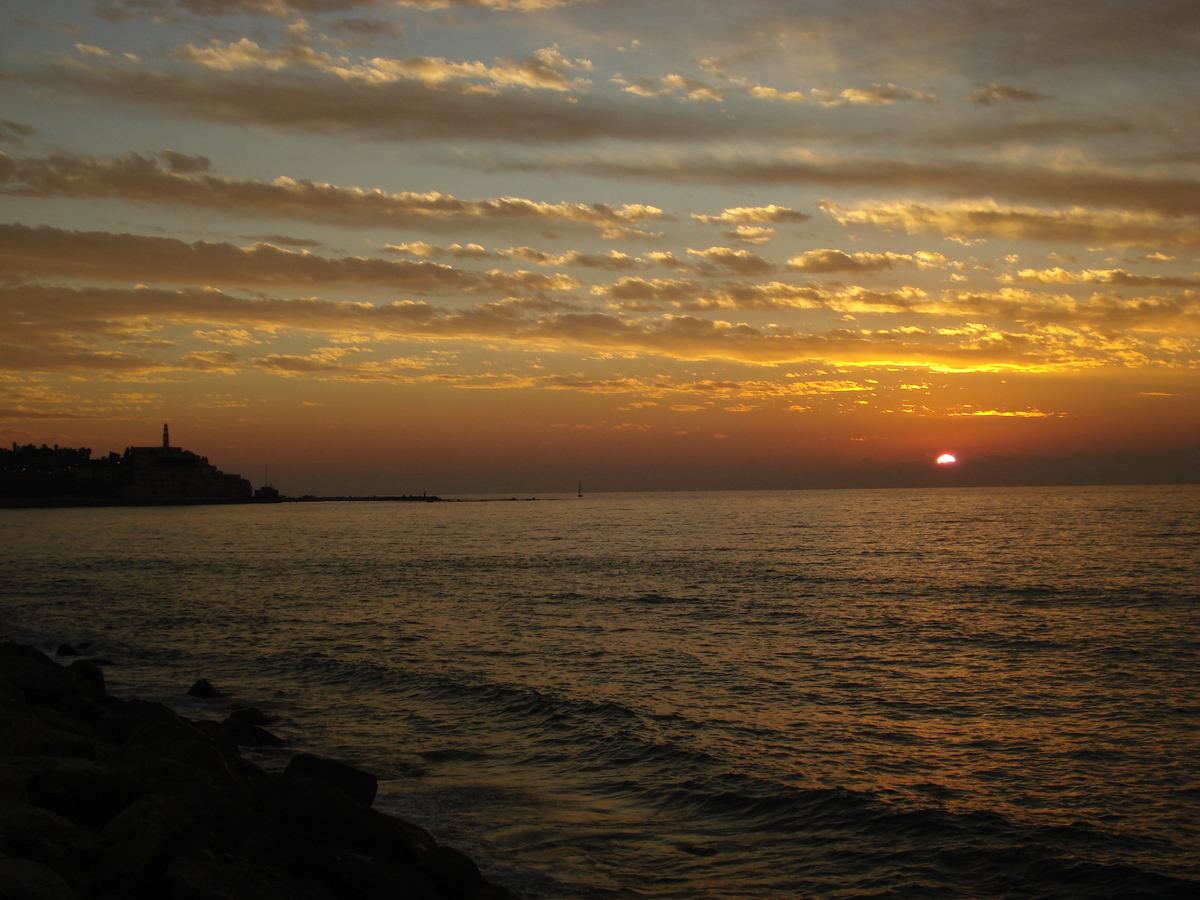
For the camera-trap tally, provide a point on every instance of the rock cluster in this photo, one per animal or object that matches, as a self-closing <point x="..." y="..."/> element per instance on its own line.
<point x="109" y="799"/>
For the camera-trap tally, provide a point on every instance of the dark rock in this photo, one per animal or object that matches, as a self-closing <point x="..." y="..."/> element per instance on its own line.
<point x="455" y="874"/>
<point x="226" y="877"/>
<point x="81" y="790"/>
<point x="42" y="681"/>
<point x="82" y="710"/>
<point x="24" y="879"/>
<point x="30" y="731"/>
<point x="360" y="786"/>
<point x="66" y="650"/>
<point x="315" y="811"/>
<point x="391" y="838"/>
<point x="368" y="876"/>
<point x="110" y="799"/>
<point x="11" y="692"/>
<point x="250" y="715"/>
<point x="33" y="833"/>
<point x="204" y="690"/>
<point x="90" y="672"/>
<point x="246" y="735"/>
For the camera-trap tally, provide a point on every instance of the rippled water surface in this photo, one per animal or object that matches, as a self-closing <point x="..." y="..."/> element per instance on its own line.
<point x="951" y="693"/>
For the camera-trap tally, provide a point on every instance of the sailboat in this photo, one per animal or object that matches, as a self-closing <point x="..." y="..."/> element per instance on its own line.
<point x="581" y="489"/>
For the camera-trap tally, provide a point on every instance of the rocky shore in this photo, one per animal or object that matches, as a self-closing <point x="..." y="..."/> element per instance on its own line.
<point x="109" y="799"/>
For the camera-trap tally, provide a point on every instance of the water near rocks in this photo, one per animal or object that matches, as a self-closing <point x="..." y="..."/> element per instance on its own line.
<point x="946" y="693"/>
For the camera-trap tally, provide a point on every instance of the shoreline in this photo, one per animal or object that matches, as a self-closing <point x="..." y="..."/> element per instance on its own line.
<point x="110" y="798"/>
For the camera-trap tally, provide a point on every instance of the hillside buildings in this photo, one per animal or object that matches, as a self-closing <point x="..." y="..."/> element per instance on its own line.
<point x="142" y="475"/>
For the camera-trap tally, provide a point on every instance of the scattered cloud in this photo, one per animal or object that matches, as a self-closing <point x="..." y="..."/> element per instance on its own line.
<point x="991" y="93"/>
<point x="751" y="215"/>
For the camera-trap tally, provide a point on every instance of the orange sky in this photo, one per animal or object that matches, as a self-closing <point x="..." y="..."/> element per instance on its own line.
<point x="507" y="245"/>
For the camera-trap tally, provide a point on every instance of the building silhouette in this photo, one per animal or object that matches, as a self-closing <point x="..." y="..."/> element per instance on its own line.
<point x="166" y="473"/>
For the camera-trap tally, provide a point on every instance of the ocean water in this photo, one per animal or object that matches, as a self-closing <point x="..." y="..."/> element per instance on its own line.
<point x="949" y="693"/>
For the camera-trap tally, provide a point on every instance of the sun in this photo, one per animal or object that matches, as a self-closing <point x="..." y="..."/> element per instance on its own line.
<point x="946" y="459"/>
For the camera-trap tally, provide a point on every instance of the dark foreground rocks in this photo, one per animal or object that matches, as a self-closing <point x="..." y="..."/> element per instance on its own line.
<point x="110" y="799"/>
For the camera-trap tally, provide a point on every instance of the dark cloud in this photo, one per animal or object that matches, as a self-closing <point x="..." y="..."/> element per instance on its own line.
<point x="188" y="181"/>
<point x="399" y="110"/>
<point x="1172" y="195"/>
<point x="52" y="252"/>
<point x="15" y="133"/>
<point x="988" y="94"/>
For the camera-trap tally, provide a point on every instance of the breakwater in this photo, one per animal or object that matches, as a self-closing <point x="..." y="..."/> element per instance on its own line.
<point x="109" y="798"/>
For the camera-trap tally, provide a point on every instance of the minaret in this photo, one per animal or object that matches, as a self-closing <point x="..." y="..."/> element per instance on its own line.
<point x="166" y="437"/>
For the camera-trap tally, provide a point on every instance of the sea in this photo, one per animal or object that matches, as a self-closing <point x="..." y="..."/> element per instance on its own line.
<point x="943" y="693"/>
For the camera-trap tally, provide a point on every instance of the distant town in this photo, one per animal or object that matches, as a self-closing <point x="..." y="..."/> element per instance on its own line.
<point x="141" y="476"/>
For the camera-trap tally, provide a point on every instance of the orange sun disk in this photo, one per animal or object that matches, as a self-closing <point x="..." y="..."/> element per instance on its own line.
<point x="945" y="459"/>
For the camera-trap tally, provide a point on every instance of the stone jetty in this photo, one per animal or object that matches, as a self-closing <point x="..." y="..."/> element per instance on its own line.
<point x="110" y="798"/>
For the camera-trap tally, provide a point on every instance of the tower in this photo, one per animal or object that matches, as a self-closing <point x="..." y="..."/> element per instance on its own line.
<point x="166" y="437"/>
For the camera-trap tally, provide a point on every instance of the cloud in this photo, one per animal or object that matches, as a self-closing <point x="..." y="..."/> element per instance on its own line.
<point x="739" y="262"/>
<point x="543" y="69"/>
<point x="612" y="260"/>
<point x="828" y="261"/>
<point x="989" y="94"/>
<point x="210" y="361"/>
<point x="48" y="313"/>
<point x="15" y="133"/>
<point x="123" y="9"/>
<point x="753" y="235"/>
<point x="1100" y="276"/>
<point x="1065" y="183"/>
<point x="51" y="252"/>
<point x="177" y="179"/>
<point x="744" y="215"/>
<point x="988" y="219"/>
<point x="666" y="85"/>
<point x="1007" y="413"/>
<point x="317" y="100"/>
<point x="875" y="95"/>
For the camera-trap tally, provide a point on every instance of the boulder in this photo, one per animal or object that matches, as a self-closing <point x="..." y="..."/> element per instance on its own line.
<point x="250" y="715"/>
<point x="355" y="783"/>
<point x="30" y="832"/>
<point x="24" y="879"/>
<point x="243" y="734"/>
<point x="110" y="799"/>
<point x="203" y="689"/>
<point x="198" y="876"/>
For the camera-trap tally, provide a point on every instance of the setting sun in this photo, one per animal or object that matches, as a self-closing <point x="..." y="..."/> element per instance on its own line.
<point x="946" y="459"/>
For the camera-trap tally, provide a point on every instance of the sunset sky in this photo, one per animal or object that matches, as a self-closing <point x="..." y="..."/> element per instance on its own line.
<point x="510" y="245"/>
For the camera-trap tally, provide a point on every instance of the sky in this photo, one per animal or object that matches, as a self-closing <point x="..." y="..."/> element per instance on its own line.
<point x="477" y="246"/>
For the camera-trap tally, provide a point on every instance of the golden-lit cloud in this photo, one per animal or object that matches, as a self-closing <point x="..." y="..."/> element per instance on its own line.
<point x="829" y="261"/>
<point x="1100" y="276"/>
<point x="43" y="342"/>
<point x="737" y="262"/>
<point x="545" y="68"/>
<point x="843" y="228"/>
<point x="751" y="215"/>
